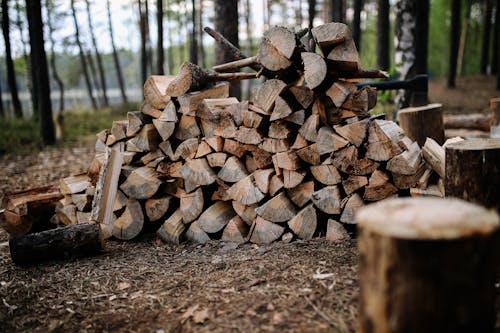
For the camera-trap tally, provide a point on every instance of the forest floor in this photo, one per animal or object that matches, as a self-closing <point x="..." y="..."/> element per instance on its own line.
<point x="147" y="286"/>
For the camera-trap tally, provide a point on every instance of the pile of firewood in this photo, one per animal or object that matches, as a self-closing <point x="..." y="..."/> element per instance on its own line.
<point x="295" y="162"/>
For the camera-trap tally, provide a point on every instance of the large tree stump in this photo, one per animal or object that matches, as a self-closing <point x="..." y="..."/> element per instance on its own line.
<point x="495" y="117"/>
<point x="72" y="241"/>
<point x="473" y="171"/>
<point x="422" y="122"/>
<point x="427" y="265"/>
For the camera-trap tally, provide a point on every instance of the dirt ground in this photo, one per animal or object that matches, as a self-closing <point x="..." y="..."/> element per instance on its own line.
<point x="146" y="286"/>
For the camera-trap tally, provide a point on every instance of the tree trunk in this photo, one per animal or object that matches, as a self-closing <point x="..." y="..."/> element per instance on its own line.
<point x="27" y="60"/>
<point x="441" y="254"/>
<point x="2" y="110"/>
<point x="11" y="74"/>
<point x="93" y="76"/>
<point x="160" y="58"/>
<point x="142" y="29"/>
<point x="149" y="45"/>
<point x="496" y="41"/>
<point x="463" y="38"/>
<point x="83" y="62"/>
<point x="454" y="42"/>
<point x="40" y="71"/>
<point x="421" y="35"/>
<point x="226" y="23"/>
<point x="170" y="50"/>
<point x="383" y="30"/>
<point x="312" y="12"/>
<point x="201" y="48"/>
<point x="298" y="14"/>
<point x="193" y="50"/>
<point x="473" y="171"/>
<point x="356" y="23"/>
<point x="102" y="74"/>
<point x="248" y="27"/>
<point x="485" y="48"/>
<point x="337" y="11"/>
<point x="55" y="74"/>
<point x="404" y="31"/>
<point x="116" y="59"/>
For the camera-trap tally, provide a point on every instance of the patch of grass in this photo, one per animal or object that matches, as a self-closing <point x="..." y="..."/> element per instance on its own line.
<point x="21" y="136"/>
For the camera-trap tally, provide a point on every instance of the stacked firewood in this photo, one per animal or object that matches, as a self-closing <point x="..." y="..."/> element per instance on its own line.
<point x="296" y="161"/>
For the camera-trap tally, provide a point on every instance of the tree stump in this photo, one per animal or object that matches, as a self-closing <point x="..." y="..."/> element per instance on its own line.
<point x="495" y="117"/>
<point x="422" y="122"/>
<point x="473" y="171"/>
<point x="75" y="240"/>
<point x="427" y="265"/>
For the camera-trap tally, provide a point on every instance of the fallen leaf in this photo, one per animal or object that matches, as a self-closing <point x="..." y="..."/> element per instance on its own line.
<point x="199" y="317"/>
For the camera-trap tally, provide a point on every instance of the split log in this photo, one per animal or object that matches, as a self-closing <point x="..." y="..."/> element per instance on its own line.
<point x="472" y="171"/>
<point x="195" y="234"/>
<point x="279" y="130"/>
<point x="383" y="138"/>
<point x="431" y="191"/>
<point x="400" y="236"/>
<point x="265" y="232"/>
<point x="61" y="243"/>
<point x="225" y="128"/>
<point x="216" y="159"/>
<point x="310" y="154"/>
<point x="281" y="109"/>
<point x="198" y="172"/>
<point x="216" y="142"/>
<point x="328" y="141"/>
<point x="434" y="155"/>
<point x="164" y="128"/>
<point x="215" y="108"/>
<point x="346" y="160"/>
<point x="287" y="160"/>
<point x="339" y="91"/>
<point x="156" y="208"/>
<point x="326" y="174"/>
<point x="187" y="128"/>
<point x="361" y="101"/>
<point x="234" y="148"/>
<point x="274" y="145"/>
<point x="142" y="183"/>
<point x="154" y="90"/>
<point x="422" y="122"/>
<point x="169" y="113"/>
<point x="292" y="178"/>
<point x="191" y="205"/>
<point x="299" y="142"/>
<point x="216" y="217"/>
<point x="271" y="58"/>
<point x="276" y="184"/>
<point x="335" y="232"/>
<point x="345" y="56"/>
<point x="403" y="181"/>
<point x="355" y="132"/>
<point x="187" y="149"/>
<point x="379" y="187"/>
<point x="327" y="199"/>
<point x="262" y="179"/>
<point x="330" y="35"/>
<point x="303" y="95"/>
<point x="146" y="140"/>
<point x="136" y="119"/>
<point x="354" y="183"/>
<point x="246" y="213"/>
<point x="301" y="194"/>
<point x="314" y="69"/>
<point x="282" y="39"/>
<point x="233" y="170"/>
<point x="119" y="129"/>
<point x="149" y="110"/>
<point x="277" y="209"/>
<point x="106" y="189"/>
<point x="172" y="230"/>
<point x="408" y="162"/>
<point x="236" y="231"/>
<point x="74" y="184"/>
<point x="251" y="119"/>
<point x="246" y="191"/>
<point x="66" y="214"/>
<point x="297" y="117"/>
<point x="248" y="135"/>
<point x="83" y="201"/>
<point x="304" y="223"/>
<point x="266" y="94"/>
<point x="130" y="223"/>
<point x="191" y="102"/>
<point x="310" y="128"/>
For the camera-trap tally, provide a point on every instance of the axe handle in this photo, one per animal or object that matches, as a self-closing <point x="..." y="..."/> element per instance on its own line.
<point x="417" y="83"/>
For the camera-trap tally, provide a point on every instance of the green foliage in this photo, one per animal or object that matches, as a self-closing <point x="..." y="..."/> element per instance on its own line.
<point x="19" y="136"/>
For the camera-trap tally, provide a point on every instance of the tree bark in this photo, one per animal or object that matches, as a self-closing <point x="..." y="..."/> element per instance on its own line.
<point x="312" y="12"/>
<point x="473" y="171"/>
<point x="142" y="30"/>
<point x="2" y="110"/>
<point x="160" y="58"/>
<point x="40" y="71"/>
<point x="422" y="122"/>
<point x="405" y="53"/>
<point x="26" y="57"/>
<point x="485" y="48"/>
<point x="116" y="59"/>
<point x="102" y="74"/>
<point x="55" y="74"/>
<point x="383" y="27"/>
<point x="83" y="62"/>
<point x="11" y="74"/>
<point x="93" y="76"/>
<point x="193" y="51"/>
<point x="421" y="35"/>
<point x="496" y="40"/>
<point x="441" y="254"/>
<point x="201" y="48"/>
<point x="337" y="11"/>
<point x="454" y="42"/>
<point x="356" y="23"/>
<point x="226" y="22"/>
<point x="170" y="50"/>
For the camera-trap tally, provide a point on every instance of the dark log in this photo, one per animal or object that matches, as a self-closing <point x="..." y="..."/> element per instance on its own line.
<point x="75" y="240"/>
<point x="427" y="265"/>
<point x="473" y="171"/>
